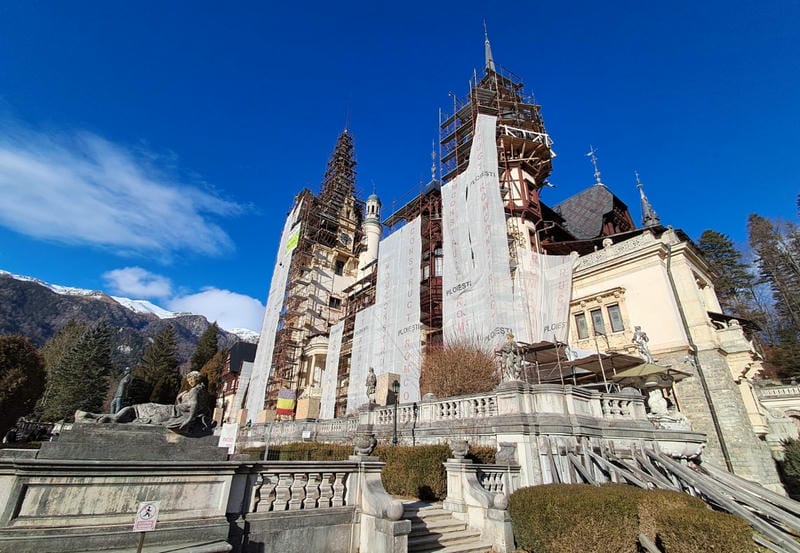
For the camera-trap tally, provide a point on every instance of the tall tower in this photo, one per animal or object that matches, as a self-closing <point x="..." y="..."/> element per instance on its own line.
<point x="324" y="264"/>
<point x="372" y="230"/>
<point x="524" y="147"/>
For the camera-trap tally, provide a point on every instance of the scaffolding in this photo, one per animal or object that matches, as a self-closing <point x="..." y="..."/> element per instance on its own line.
<point x="326" y="250"/>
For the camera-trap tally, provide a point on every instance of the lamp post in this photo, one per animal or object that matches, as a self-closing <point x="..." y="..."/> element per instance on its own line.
<point x="396" y="392"/>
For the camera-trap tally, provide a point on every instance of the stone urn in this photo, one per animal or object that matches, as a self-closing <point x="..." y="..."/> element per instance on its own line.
<point x="364" y="444"/>
<point x="459" y="448"/>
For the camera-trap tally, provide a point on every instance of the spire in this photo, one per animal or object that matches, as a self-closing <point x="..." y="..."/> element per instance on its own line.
<point x="649" y="217"/>
<point x="340" y="176"/>
<point x="487" y="49"/>
<point x="593" y="155"/>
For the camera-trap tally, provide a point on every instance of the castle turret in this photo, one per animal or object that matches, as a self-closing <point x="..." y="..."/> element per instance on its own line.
<point x="372" y="230"/>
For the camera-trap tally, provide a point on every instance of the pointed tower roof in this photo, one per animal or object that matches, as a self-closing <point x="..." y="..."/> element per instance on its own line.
<point x="487" y="50"/>
<point x="649" y="216"/>
<point x="340" y="177"/>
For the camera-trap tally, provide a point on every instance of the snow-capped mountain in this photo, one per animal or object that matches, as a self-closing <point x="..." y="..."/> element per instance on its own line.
<point x="141" y="307"/>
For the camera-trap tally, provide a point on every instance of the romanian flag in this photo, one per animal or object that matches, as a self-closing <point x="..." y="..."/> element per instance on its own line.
<point x="285" y="402"/>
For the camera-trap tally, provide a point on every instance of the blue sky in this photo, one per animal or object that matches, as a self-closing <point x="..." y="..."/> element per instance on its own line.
<point x="152" y="149"/>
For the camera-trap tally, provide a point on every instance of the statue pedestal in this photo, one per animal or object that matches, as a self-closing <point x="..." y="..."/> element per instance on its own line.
<point x="130" y="442"/>
<point x="307" y="408"/>
<point x="383" y="390"/>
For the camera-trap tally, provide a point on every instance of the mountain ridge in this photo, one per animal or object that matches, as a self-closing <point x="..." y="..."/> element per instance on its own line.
<point x="36" y="309"/>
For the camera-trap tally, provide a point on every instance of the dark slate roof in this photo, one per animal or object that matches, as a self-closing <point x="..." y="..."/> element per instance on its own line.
<point x="583" y="213"/>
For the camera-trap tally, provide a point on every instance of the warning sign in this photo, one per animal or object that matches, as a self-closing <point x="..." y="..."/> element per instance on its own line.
<point x="146" y="516"/>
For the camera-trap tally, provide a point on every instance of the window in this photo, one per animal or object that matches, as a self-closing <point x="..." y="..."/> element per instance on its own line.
<point x="339" y="268"/>
<point x="438" y="266"/>
<point x="597" y="322"/>
<point x="580" y="325"/>
<point x="335" y="303"/>
<point x="426" y="272"/>
<point x="615" y="316"/>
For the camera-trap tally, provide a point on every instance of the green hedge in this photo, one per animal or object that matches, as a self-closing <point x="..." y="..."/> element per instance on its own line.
<point x="561" y="518"/>
<point x="565" y="518"/>
<point x="484" y="454"/>
<point x="415" y="471"/>
<point x="302" y="451"/>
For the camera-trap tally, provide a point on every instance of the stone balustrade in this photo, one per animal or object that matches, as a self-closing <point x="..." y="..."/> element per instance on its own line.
<point x="297" y="486"/>
<point x="516" y="399"/>
<point x="785" y="391"/>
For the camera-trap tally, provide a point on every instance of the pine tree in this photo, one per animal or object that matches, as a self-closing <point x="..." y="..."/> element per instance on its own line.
<point x="53" y="352"/>
<point x="733" y="278"/>
<point x="206" y="348"/>
<point x="778" y="257"/>
<point x="777" y="250"/>
<point x="156" y="379"/>
<point x="80" y="380"/>
<point x="22" y="379"/>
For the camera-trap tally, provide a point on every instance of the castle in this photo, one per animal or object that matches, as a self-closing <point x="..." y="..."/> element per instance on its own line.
<point x="477" y="255"/>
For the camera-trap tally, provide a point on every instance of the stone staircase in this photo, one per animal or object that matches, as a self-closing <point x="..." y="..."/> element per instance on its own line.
<point x="435" y="529"/>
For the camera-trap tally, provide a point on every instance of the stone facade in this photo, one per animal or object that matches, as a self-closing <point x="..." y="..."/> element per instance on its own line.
<point x="658" y="281"/>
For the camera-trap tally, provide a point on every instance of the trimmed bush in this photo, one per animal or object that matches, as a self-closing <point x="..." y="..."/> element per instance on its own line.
<point x="482" y="454"/>
<point x="692" y="530"/>
<point x="302" y="451"/>
<point x="415" y="471"/>
<point x="561" y="518"/>
<point x="564" y="518"/>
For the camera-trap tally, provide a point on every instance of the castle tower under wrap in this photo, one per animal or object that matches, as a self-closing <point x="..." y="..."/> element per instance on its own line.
<point x="324" y="237"/>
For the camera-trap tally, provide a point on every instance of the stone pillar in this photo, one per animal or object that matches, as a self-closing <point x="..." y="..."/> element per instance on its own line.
<point x="383" y="389"/>
<point x="479" y="508"/>
<point x="381" y="530"/>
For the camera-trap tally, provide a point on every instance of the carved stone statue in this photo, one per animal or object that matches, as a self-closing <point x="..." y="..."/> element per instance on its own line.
<point x="372" y="382"/>
<point x="189" y="415"/>
<point x="121" y="397"/>
<point x="510" y="359"/>
<point x="640" y="339"/>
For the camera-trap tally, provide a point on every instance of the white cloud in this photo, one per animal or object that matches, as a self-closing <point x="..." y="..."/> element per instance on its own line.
<point x="136" y="283"/>
<point x="83" y="189"/>
<point x="229" y="309"/>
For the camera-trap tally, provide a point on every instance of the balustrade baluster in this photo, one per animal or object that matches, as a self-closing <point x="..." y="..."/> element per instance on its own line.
<point x="298" y="491"/>
<point x="325" y="490"/>
<point x="282" y="492"/>
<point x="312" y="491"/>
<point x="338" y="490"/>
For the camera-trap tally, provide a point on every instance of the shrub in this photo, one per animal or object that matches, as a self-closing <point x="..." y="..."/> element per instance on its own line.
<point x="482" y="454"/>
<point x="692" y="530"/>
<point x="577" y="517"/>
<point x="564" y="518"/>
<point x="790" y="467"/>
<point x="458" y="369"/>
<point x="302" y="451"/>
<point x="415" y="471"/>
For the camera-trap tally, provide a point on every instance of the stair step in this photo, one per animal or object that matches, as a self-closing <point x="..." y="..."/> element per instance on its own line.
<point x="446" y="539"/>
<point x="437" y="526"/>
<point x="434" y="529"/>
<point x="474" y="547"/>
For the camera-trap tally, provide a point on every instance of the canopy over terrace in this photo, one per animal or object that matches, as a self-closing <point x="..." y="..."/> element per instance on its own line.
<point x="601" y="367"/>
<point x="545" y="362"/>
